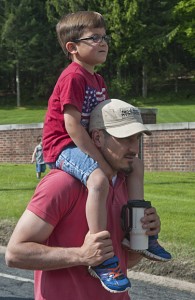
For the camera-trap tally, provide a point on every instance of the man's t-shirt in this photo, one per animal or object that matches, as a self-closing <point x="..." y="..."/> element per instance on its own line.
<point x="75" y="86"/>
<point x="60" y="200"/>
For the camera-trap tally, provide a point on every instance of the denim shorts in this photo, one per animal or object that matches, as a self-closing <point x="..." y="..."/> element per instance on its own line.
<point x="76" y="163"/>
<point x="40" y="168"/>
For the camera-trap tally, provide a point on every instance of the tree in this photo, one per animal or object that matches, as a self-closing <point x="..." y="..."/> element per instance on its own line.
<point x="152" y="41"/>
<point x="184" y="13"/>
<point x="29" y="40"/>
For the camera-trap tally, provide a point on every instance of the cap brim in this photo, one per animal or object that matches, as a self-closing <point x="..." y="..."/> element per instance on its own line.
<point x="127" y="130"/>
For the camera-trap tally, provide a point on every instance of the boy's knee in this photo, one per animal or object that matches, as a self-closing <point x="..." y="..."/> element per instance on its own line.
<point x="98" y="181"/>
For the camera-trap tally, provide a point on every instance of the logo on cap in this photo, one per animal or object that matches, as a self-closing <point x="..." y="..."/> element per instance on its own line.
<point x="125" y="112"/>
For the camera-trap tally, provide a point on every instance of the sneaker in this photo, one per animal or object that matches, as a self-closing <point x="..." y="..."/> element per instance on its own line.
<point x="111" y="276"/>
<point x="155" y="251"/>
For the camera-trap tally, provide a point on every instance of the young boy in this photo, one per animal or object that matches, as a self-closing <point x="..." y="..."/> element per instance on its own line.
<point x="66" y="142"/>
<point x="38" y="157"/>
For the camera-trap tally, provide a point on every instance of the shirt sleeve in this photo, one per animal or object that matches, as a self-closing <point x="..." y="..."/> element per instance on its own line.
<point x="55" y="196"/>
<point x="72" y="91"/>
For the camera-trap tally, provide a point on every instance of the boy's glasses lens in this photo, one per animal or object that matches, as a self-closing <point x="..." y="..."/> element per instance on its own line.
<point x="96" y="38"/>
<point x="99" y="38"/>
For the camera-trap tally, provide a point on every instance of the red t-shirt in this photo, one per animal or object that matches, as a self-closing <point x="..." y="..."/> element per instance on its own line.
<point x="75" y="86"/>
<point x="60" y="200"/>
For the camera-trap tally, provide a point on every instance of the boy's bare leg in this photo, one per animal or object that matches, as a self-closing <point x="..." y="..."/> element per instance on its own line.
<point x="98" y="187"/>
<point x="108" y="272"/>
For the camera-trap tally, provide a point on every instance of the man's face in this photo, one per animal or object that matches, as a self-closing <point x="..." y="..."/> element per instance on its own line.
<point x="120" y="152"/>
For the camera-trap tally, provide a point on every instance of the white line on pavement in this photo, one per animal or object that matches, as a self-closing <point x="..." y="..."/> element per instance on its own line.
<point x="163" y="281"/>
<point x="16" y="278"/>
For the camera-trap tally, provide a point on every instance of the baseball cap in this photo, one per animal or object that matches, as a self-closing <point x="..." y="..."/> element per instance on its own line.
<point x="120" y="119"/>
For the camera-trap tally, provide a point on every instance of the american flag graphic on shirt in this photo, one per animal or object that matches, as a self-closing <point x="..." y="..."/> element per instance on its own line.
<point x="92" y="98"/>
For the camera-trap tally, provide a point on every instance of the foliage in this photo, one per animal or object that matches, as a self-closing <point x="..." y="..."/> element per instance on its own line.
<point x="184" y="12"/>
<point x="152" y="41"/>
<point x="28" y="39"/>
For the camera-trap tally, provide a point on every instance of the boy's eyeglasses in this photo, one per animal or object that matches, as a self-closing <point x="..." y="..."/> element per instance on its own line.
<point x="96" y="38"/>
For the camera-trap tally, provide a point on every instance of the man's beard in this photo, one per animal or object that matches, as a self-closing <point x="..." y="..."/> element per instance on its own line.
<point x="127" y="170"/>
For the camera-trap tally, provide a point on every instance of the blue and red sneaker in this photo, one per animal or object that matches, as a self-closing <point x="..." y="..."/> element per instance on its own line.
<point x="111" y="276"/>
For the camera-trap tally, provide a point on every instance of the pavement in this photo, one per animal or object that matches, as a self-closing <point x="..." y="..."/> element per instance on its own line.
<point x="16" y="284"/>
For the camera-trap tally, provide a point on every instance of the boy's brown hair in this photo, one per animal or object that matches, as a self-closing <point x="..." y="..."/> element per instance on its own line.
<point x="72" y="26"/>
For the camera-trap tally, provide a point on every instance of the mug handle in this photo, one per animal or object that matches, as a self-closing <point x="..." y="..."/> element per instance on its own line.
<point x="124" y="224"/>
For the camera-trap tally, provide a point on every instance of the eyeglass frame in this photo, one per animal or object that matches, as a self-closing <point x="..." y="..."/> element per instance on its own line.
<point x="100" y="38"/>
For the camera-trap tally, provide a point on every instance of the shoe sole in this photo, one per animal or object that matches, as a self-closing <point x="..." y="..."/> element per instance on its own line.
<point x="147" y="255"/>
<point x="151" y="256"/>
<point x="94" y="274"/>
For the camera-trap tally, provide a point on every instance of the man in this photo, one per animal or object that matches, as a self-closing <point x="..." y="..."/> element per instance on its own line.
<point x="52" y="235"/>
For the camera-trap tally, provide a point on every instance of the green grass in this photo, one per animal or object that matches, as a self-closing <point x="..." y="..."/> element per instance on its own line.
<point x="171" y="193"/>
<point x="21" y="115"/>
<point x="166" y="114"/>
<point x="17" y="185"/>
<point x="172" y="108"/>
<point x="175" y="113"/>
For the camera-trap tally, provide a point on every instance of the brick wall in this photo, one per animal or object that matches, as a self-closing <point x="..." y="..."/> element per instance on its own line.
<point x="170" y="148"/>
<point x="17" y="142"/>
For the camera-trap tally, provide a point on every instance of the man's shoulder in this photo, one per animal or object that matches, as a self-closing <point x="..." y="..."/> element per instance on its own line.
<point x="58" y="179"/>
<point x="58" y="185"/>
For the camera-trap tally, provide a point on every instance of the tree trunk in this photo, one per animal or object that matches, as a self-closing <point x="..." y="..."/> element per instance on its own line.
<point x="176" y="84"/>
<point x="144" y="81"/>
<point x="18" y="84"/>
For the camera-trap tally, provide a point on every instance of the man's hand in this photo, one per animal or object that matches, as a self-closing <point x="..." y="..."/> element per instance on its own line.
<point x="151" y="221"/>
<point x="96" y="248"/>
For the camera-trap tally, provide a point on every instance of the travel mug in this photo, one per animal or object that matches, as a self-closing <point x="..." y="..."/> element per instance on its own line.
<point x="131" y="215"/>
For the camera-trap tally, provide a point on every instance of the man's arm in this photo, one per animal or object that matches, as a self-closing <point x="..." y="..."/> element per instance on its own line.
<point x="26" y="251"/>
<point x="151" y="221"/>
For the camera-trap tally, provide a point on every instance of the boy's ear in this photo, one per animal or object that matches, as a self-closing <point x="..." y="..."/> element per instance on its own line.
<point x="71" y="47"/>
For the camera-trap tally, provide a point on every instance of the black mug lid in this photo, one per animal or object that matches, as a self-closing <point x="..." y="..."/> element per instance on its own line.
<point x="138" y="203"/>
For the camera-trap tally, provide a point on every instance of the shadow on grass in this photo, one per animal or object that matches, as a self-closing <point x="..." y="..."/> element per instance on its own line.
<point x="170" y="183"/>
<point x="17" y="189"/>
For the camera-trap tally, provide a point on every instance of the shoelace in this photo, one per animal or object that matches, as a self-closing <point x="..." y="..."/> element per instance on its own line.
<point x="115" y="271"/>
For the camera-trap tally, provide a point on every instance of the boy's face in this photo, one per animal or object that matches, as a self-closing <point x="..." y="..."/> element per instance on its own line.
<point x="90" y="53"/>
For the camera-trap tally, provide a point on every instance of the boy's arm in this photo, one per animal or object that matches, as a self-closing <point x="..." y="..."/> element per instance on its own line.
<point x="81" y="138"/>
<point x="33" y="155"/>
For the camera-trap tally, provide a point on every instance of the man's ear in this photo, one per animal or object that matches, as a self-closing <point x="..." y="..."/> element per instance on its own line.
<point x="71" y="47"/>
<point x="96" y="136"/>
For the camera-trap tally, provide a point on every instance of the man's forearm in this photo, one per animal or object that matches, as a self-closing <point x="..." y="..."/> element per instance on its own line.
<point x="35" y="256"/>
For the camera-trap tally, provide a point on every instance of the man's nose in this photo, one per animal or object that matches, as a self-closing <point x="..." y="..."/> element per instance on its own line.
<point x="134" y="146"/>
